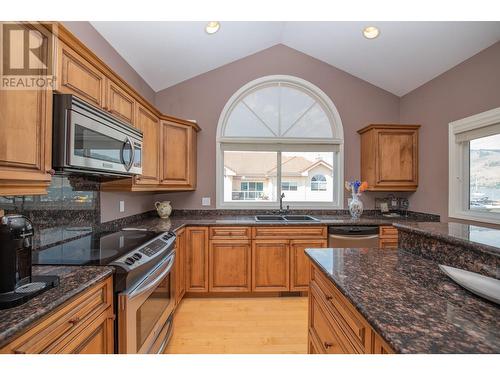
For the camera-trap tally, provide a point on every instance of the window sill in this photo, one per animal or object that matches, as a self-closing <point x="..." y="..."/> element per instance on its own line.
<point x="476" y="216"/>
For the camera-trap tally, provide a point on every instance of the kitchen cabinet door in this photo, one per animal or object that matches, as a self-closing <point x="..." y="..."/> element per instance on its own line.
<point x="149" y="124"/>
<point x="300" y="266"/>
<point x="230" y="266"/>
<point x="178" y="156"/>
<point x="25" y="139"/>
<point x="180" y="268"/>
<point x="270" y="265"/>
<point x="120" y="103"/>
<point x="389" y="157"/>
<point x="96" y="338"/>
<point x="197" y="259"/>
<point x="79" y="77"/>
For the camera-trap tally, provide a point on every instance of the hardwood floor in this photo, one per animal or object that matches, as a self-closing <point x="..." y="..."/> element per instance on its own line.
<point x="240" y="326"/>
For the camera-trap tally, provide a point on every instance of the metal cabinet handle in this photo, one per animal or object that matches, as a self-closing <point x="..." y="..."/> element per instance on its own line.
<point x="327" y="344"/>
<point x="74" y="320"/>
<point x="329" y="298"/>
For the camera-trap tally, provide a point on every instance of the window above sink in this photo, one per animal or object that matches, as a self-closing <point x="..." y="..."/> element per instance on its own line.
<point x="279" y="134"/>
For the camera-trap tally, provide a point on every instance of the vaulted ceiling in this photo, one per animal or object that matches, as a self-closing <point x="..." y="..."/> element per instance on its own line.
<point x="402" y="58"/>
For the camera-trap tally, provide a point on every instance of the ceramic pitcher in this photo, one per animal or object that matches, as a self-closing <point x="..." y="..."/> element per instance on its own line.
<point x="164" y="209"/>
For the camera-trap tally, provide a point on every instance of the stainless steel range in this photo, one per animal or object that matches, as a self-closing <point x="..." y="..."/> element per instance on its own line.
<point x="143" y="281"/>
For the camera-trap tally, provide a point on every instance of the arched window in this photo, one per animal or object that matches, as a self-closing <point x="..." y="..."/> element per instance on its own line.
<point x="276" y="135"/>
<point x="318" y="183"/>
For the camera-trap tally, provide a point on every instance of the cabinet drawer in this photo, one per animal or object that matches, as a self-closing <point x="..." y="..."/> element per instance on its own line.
<point x="53" y="334"/>
<point x="388" y="232"/>
<point x="221" y="233"/>
<point x="265" y="232"/>
<point x="343" y="315"/>
<point x="388" y="243"/>
<point x="321" y="332"/>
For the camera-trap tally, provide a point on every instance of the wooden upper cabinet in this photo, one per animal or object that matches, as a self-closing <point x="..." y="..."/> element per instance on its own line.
<point x="230" y="266"/>
<point x="120" y="103"/>
<point x="149" y="124"/>
<point x="270" y="265"/>
<point x="25" y="120"/>
<point x="178" y="156"/>
<point x="389" y="157"/>
<point x="196" y="259"/>
<point x="300" y="265"/>
<point x="79" y="77"/>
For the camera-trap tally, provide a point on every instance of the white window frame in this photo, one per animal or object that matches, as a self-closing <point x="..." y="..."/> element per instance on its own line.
<point x="334" y="144"/>
<point x="459" y="184"/>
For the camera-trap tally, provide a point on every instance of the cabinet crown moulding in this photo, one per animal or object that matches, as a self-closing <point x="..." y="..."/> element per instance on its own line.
<point x="389" y="126"/>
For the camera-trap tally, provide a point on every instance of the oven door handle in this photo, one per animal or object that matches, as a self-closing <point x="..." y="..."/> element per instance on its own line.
<point x="150" y="285"/>
<point x="132" y="153"/>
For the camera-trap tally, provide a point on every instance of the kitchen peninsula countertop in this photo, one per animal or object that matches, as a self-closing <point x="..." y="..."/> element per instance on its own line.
<point x="73" y="281"/>
<point x="477" y="238"/>
<point x="410" y="302"/>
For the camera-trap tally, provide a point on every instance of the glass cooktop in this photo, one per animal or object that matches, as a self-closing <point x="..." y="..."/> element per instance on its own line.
<point x="93" y="249"/>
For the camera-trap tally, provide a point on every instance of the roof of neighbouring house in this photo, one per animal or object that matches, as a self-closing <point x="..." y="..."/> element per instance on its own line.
<point x="264" y="164"/>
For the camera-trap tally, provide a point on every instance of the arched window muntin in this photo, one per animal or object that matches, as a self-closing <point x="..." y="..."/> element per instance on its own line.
<point x="282" y="144"/>
<point x="318" y="182"/>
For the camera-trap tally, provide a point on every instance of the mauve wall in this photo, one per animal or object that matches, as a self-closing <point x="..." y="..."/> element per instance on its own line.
<point x="134" y="202"/>
<point x="203" y="97"/>
<point x="467" y="89"/>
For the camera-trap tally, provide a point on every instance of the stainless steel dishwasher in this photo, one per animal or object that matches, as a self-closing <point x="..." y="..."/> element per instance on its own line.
<point x="353" y="236"/>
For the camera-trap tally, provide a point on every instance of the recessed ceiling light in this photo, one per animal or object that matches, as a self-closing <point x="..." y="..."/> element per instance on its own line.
<point x="212" y="27"/>
<point x="371" y="32"/>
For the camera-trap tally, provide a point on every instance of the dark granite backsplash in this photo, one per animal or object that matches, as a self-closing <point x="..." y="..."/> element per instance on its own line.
<point x="418" y="216"/>
<point x="448" y="251"/>
<point x="70" y="201"/>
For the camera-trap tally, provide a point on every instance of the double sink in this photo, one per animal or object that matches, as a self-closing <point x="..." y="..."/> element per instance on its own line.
<point x="285" y="218"/>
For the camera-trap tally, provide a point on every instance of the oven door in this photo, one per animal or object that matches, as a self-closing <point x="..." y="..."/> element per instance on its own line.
<point x="95" y="145"/>
<point x="144" y="312"/>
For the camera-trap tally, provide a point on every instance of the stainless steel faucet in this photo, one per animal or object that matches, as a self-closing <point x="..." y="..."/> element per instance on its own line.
<point x="281" y="204"/>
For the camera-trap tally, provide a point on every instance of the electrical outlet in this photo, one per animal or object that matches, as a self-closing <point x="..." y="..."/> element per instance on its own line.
<point x="205" y="201"/>
<point x="122" y="206"/>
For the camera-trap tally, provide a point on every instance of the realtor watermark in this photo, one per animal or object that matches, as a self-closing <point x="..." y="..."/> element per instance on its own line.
<point x="27" y="56"/>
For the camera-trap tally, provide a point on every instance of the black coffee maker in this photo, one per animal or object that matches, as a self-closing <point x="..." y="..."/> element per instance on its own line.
<point x="17" y="285"/>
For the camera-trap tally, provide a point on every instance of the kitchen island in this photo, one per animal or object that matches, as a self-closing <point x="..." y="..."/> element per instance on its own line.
<point x="407" y="301"/>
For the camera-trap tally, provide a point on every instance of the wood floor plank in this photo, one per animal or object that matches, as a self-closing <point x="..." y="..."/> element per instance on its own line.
<point x="270" y="325"/>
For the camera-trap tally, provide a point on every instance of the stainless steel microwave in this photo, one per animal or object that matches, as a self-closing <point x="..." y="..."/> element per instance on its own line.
<point x="87" y="139"/>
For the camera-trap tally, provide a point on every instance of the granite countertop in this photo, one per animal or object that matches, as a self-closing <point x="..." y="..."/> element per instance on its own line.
<point x="73" y="281"/>
<point x="177" y="222"/>
<point x="410" y="302"/>
<point x="477" y="238"/>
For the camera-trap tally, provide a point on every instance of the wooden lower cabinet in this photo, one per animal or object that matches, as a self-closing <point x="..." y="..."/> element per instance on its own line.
<point x="270" y="265"/>
<point x="250" y="259"/>
<point x="388" y="237"/>
<point x="335" y="325"/>
<point x="300" y="266"/>
<point x="197" y="259"/>
<point x="84" y="325"/>
<point x="230" y="266"/>
<point x="180" y="266"/>
<point x="96" y="338"/>
<point x="321" y="333"/>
